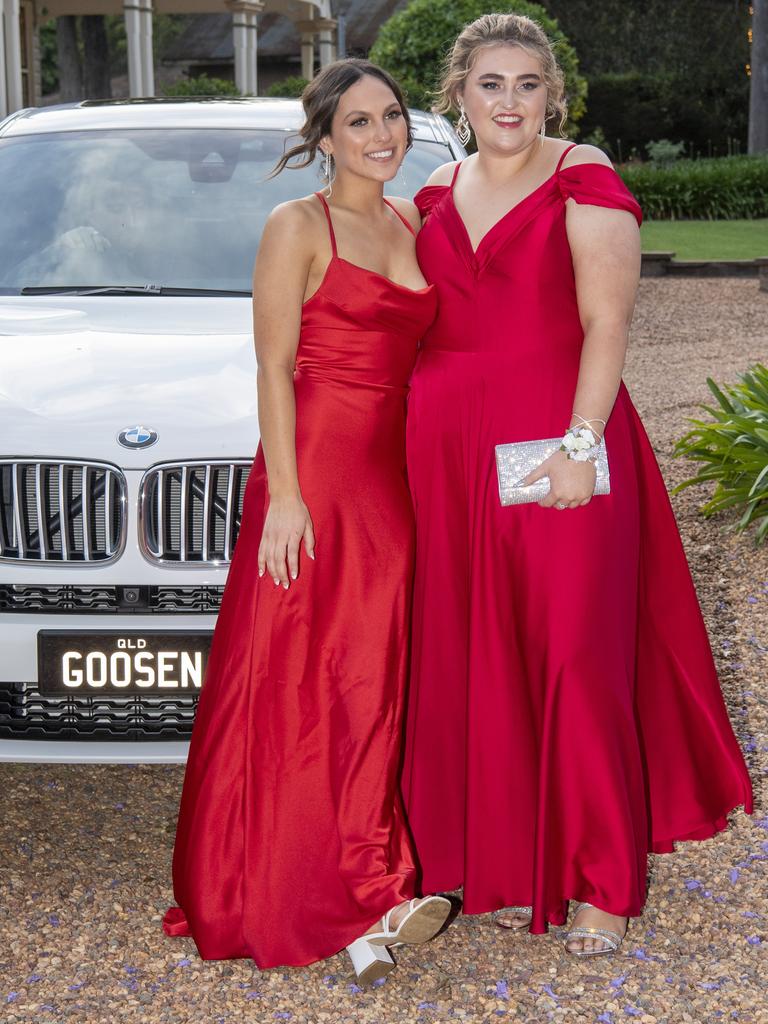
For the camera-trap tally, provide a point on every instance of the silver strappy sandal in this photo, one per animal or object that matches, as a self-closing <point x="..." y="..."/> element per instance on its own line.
<point x="496" y="917"/>
<point x="611" y="939"/>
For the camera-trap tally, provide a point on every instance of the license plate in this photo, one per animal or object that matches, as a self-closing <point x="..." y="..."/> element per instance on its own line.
<point x="121" y="664"/>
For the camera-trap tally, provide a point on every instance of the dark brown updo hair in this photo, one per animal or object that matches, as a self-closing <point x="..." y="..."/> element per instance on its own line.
<point x="320" y="100"/>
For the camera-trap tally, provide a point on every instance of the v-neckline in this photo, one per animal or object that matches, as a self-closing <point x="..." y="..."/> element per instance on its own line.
<point x="504" y="217"/>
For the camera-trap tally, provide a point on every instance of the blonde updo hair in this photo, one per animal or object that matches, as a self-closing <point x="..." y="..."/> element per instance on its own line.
<point x="502" y="30"/>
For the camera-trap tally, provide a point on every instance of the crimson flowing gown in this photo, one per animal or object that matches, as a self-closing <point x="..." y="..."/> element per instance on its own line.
<point x="563" y="697"/>
<point x="291" y="839"/>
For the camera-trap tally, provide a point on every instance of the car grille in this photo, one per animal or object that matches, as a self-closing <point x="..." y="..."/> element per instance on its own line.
<point x="26" y="714"/>
<point x="62" y="511"/>
<point x="124" y="600"/>
<point x="190" y="513"/>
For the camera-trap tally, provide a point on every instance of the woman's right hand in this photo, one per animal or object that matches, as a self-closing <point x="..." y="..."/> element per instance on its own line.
<point x="287" y="523"/>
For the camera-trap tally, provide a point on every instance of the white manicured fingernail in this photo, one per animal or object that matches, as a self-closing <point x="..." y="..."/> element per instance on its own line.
<point x="312" y="555"/>
<point x="277" y="582"/>
<point x="286" y="585"/>
<point x="294" y="575"/>
<point x="261" y="572"/>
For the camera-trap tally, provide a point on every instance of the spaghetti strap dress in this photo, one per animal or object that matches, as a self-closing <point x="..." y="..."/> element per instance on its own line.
<point x="291" y="839"/>
<point x="563" y="695"/>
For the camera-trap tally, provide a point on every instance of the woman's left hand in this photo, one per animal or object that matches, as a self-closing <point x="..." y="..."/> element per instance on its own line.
<point x="571" y="483"/>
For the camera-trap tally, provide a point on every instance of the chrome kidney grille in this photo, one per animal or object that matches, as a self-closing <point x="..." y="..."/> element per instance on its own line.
<point x="61" y="511"/>
<point x="189" y="513"/>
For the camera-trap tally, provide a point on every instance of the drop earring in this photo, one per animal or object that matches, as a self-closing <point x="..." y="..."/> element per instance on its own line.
<point x="329" y="171"/>
<point x="463" y="129"/>
<point x="543" y="132"/>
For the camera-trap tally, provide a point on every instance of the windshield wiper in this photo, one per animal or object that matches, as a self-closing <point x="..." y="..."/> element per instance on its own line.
<point x="78" y="289"/>
<point x="125" y="289"/>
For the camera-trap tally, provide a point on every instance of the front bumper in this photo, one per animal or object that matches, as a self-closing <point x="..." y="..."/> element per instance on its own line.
<point x="93" y="752"/>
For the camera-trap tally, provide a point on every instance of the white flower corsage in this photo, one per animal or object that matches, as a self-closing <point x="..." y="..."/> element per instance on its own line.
<point x="580" y="444"/>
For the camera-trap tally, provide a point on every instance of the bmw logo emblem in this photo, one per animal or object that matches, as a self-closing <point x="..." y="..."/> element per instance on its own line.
<point x="137" y="437"/>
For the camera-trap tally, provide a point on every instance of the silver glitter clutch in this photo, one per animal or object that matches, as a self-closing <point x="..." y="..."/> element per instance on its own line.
<point x="515" y="461"/>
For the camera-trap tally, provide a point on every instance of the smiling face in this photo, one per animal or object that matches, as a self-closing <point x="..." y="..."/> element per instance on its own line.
<point x="369" y="134"/>
<point x="505" y="98"/>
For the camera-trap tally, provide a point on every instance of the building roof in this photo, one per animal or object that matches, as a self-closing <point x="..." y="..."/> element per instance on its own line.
<point x="208" y="37"/>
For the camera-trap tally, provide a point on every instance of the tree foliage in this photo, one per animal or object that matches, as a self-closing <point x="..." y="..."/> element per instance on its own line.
<point x="662" y="70"/>
<point x="414" y="43"/>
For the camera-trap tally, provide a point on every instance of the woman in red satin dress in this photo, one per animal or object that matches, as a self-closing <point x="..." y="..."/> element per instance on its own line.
<point x="563" y="697"/>
<point x="291" y="842"/>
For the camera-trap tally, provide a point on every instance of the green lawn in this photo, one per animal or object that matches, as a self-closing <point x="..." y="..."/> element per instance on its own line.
<point x="707" y="239"/>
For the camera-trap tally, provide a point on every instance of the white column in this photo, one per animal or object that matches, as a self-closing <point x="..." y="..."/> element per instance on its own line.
<point x="4" y="111"/>
<point x="36" y="72"/>
<point x="308" y="55"/>
<point x="11" y="51"/>
<point x="245" y="37"/>
<point x="145" y="46"/>
<point x="252" y="59"/>
<point x="325" y="47"/>
<point x="132" y="15"/>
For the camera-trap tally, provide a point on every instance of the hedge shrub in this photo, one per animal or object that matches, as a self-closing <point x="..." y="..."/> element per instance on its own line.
<point x="202" y="85"/>
<point x="724" y="188"/>
<point x="290" y="88"/>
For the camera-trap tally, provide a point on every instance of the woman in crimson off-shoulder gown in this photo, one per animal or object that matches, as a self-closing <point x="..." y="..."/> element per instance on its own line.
<point x="563" y="698"/>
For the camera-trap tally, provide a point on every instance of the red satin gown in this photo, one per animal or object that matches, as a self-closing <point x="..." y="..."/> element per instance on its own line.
<point x="291" y="839"/>
<point x="563" y="697"/>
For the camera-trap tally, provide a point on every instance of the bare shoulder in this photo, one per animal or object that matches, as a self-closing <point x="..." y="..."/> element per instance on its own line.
<point x="407" y="209"/>
<point x="296" y="222"/>
<point x="584" y="154"/>
<point x="442" y="175"/>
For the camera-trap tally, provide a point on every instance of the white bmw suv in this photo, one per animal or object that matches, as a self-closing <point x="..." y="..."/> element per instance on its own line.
<point x="128" y="404"/>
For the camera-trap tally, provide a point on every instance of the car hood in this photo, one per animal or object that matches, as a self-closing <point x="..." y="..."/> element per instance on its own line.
<point x="76" y="371"/>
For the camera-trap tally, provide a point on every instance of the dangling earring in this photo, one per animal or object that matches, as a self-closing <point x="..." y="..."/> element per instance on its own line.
<point x="329" y="171"/>
<point x="543" y="132"/>
<point x="463" y="129"/>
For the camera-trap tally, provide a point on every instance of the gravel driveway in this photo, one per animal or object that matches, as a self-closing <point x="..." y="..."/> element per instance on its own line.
<point x="86" y="850"/>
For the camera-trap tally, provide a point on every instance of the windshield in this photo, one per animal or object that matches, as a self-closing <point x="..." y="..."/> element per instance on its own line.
<point x="149" y="208"/>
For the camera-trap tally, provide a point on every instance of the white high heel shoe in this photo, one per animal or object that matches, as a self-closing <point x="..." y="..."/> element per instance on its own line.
<point x="370" y="962"/>
<point x="423" y="920"/>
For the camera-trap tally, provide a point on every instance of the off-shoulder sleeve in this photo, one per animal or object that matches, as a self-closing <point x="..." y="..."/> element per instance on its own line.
<point x="598" y="185"/>
<point x="426" y="198"/>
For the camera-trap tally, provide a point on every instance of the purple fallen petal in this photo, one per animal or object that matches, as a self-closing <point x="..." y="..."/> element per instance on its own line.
<point x="12" y="997"/>
<point x="734" y="874"/>
<point x="692" y="883"/>
<point x="754" y="940"/>
<point x="548" y="989"/>
<point x="502" y="989"/>
<point x="379" y="982"/>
